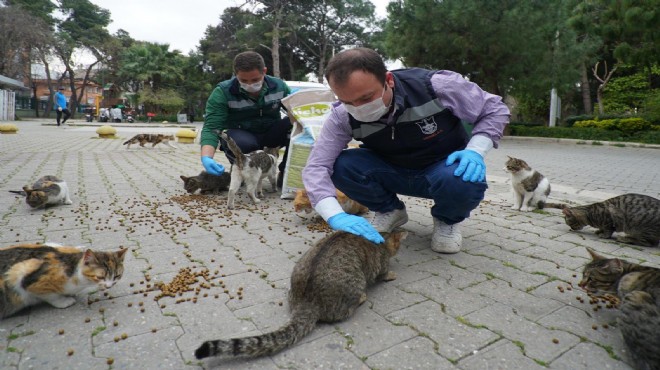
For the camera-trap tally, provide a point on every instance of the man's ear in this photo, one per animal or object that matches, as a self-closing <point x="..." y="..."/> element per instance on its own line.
<point x="265" y="70"/>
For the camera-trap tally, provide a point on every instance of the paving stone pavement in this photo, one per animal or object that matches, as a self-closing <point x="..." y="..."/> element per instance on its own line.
<point x="495" y="305"/>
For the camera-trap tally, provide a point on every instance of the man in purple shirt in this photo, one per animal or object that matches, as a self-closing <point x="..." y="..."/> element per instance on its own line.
<point x="413" y="143"/>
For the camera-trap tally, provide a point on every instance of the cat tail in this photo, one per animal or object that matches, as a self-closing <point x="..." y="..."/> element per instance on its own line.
<point x="19" y="192"/>
<point x="302" y="322"/>
<point x="240" y="157"/>
<point x="542" y="205"/>
<point x="129" y="141"/>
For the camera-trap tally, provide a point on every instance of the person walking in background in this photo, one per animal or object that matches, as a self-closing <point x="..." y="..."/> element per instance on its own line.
<point x="248" y="107"/>
<point x="413" y="143"/>
<point x="60" y="106"/>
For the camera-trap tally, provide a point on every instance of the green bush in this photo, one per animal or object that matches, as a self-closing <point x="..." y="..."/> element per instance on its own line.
<point x="570" y="121"/>
<point x="651" y="111"/>
<point x="587" y="133"/>
<point x="633" y="124"/>
<point x="630" y="124"/>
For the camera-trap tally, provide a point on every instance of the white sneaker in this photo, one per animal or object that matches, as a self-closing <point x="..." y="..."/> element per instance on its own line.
<point x="388" y="221"/>
<point x="446" y="238"/>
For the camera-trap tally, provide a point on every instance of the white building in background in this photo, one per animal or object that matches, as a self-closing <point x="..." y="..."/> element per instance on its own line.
<point x="8" y="97"/>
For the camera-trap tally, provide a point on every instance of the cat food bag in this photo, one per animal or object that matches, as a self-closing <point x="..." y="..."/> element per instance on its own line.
<point x="307" y="109"/>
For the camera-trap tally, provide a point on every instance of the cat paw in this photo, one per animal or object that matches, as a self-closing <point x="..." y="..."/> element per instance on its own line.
<point x="391" y="275"/>
<point x="515" y="208"/>
<point x="68" y="202"/>
<point x="526" y="209"/>
<point x="62" y="302"/>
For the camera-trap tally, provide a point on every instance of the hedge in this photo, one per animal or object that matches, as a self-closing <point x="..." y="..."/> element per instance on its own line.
<point x="630" y="125"/>
<point x="588" y="133"/>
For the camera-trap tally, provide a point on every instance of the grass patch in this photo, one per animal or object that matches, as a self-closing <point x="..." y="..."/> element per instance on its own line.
<point x="18" y="335"/>
<point x="97" y="330"/>
<point x="596" y="143"/>
<point x="12" y="349"/>
<point x="609" y="351"/>
<point x="465" y="322"/>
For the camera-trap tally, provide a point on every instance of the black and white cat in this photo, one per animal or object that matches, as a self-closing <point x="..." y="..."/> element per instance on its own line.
<point x="530" y="189"/>
<point x="251" y="168"/>
<point x="47" y="191"/>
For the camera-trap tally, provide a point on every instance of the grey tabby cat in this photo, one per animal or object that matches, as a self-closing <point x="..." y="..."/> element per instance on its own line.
<point x="328" y="284"/>
<point x="34" y="273"/>
<point x="206" y="183"/>
<point x="637" y="215"/>
<point x="251" y="168"/>
<point x="48" y="190"/>
<point x="530" y="189"/>
<point x="639" y="289"/>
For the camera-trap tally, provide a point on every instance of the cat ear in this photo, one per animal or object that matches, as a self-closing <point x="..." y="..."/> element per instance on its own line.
<point x="122" y="253"/>
<point x="183" y="178"/>
<point x="595" y="256"/>
<point x="615" y="264"/>
<point x="88" y="257"/>
<point x="567" y="212"/>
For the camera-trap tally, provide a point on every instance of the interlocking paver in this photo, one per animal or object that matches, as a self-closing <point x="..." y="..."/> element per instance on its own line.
<point x="499" y="303"/>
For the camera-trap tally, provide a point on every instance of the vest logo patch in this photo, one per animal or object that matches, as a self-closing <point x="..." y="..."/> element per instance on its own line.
<point x="427" y="125"/>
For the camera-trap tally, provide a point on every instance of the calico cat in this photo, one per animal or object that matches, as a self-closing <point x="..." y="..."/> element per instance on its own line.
<point x="33" y="273"/>
<point x="154" y="139"/>
<point x="529" y="187"/>
<point x="48" y="190"/>
<point x="301" y="203"/>
<point x="638" y="287"/>
<point x="637" y="215"/>
<point x="328" y="284"/>
<point x="206" y="183"/>
<point x="251" y="168"/>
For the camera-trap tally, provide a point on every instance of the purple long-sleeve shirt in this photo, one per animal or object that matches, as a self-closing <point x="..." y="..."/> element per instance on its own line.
<point x="465" y="99"/>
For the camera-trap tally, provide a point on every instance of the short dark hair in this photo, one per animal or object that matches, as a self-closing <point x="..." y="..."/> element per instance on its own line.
<point x="61" y="88"/>
<point x="348" y="61"/>
<point x="248" y="61"/>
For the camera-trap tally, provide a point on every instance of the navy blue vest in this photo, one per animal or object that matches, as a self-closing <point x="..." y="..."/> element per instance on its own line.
<point x="421" y="131"/>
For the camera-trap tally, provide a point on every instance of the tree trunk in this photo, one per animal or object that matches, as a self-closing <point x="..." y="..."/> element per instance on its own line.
<point x="599" y="96"/>
<point x="275" y="41"/>
<point x="586" y="91"/>
<point x="73" y="102"/>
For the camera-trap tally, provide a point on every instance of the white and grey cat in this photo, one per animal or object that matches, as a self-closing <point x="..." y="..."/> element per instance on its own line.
<point x="251" y="168"/>
<point x="47" y="191"/>
<point x="529" y="187"/>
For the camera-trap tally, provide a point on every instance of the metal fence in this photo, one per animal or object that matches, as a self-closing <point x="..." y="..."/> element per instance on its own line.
<point x="7" y="105"/>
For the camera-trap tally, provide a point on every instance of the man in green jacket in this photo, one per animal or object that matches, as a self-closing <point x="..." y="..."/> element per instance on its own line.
<point x="248" y="107"/>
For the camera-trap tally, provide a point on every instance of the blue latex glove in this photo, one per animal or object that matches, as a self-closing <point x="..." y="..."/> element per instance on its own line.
<point x="212" y="167"/>
<point x="355" y="225"/>
<point x="471" y="165"/>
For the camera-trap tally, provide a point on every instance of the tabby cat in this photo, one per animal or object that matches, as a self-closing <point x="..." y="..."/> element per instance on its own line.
<point x="302" y="203"/>
<point x="251" y="168"/>
<point x="206" y="183"/>
<point x="48" y="190"/>
<point x="637" y="215"/>
<point x="639" y="289"/>
<point x="33" y="273"/>
<point x="328" y="284"/>
<point x="154" y="139"/>
<point x="530" y="189"/>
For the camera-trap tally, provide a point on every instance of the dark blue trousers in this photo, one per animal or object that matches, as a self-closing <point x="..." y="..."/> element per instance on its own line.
<point x="277" y="136"/>
<point x="367" y="178"/>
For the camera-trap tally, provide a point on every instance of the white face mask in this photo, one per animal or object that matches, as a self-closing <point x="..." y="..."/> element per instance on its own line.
<point x="252" y="88"/>
<point x="369" y="112"/>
